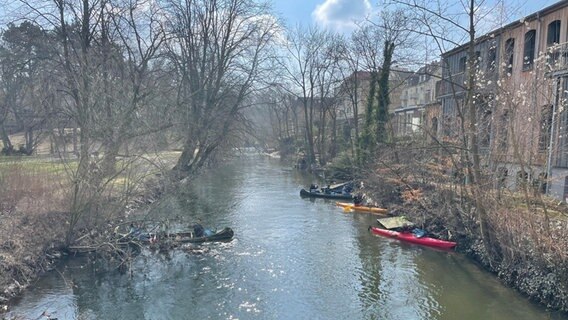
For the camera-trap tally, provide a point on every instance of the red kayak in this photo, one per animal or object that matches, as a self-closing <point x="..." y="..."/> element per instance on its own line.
<point x="410" y="237"/>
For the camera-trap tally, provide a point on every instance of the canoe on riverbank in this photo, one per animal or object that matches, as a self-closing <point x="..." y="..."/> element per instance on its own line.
<point x="330" y="195"/>
<point x="107" y="246"/>
<point x="412" y="238"/>
<point x="225" y="234"/>
<point x="348" y="207"/>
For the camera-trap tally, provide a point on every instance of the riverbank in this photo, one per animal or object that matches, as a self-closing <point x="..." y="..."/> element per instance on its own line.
<point x="33" y="244"/>
<point x="34" y="220"/>
<point x="435" y="204"/>
<point x="529" y="246"/>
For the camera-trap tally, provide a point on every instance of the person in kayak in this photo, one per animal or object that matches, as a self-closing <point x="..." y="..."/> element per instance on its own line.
<point x="198" y="230"/>
<point x="358" y="199"/>
<point x="138" y="233"/>
<point x="208" y="232"/>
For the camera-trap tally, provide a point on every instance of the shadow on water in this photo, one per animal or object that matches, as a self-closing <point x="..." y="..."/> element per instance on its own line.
<point x="291" y="258"/>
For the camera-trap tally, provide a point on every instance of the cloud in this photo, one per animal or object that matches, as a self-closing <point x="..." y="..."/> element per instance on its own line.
<point x="341" y="14"/>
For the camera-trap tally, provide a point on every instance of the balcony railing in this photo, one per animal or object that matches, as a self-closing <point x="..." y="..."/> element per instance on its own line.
<point x="557" y="58"/>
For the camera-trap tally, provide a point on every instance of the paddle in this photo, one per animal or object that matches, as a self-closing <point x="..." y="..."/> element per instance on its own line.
<point x="347" y="209"/>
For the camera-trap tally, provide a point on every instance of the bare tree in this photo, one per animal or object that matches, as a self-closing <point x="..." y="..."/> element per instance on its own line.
<point x="309" y="72"/>
<point x="328" y="78"/>
<point x="128" y="85"/>
<point x="218" y="50"/>
<point x="102" y="76"/>
<point x="351" y="89"/>
<point x="368" y="41"/>
<point x="376" y="41"/>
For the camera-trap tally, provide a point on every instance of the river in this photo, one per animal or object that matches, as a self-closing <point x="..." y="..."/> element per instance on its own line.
<point x="291" y="258"/>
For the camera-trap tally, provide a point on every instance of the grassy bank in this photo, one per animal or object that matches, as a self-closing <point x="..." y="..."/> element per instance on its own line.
<point x="33" y="202"/>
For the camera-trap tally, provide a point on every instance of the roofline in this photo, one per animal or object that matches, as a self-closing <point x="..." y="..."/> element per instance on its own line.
<point x="530" y="17"/>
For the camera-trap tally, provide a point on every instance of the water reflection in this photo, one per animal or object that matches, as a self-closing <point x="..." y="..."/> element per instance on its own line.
<point x="291" y="258"/>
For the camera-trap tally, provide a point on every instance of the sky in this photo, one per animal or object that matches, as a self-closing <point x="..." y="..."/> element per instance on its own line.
<point x="339" y="15"/>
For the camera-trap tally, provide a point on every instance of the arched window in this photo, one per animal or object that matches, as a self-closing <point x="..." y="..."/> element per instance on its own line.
<point x="553" y="35"/>
<point x="528" y="57"/>
<point x="552" y="38"/>
<point x="542" y="182"/>
<point x="502" y="173"/>
<point x="435" y="126"/>
<point x="462" y="64"/>
<point x="484" y="117"/>
<point x="509" y="55"/>
<point x="503" y="131"/>
<point x="477" y="61"/>
<point x="566" y="189"/>
<point x="522" y="179"/>
<point x="545" y="127"/>
<point x="485" y="129"/>
<point x="491" y="58"/>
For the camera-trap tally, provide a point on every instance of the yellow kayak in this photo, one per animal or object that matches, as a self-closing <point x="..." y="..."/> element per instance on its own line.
<point x="347" y="207"/>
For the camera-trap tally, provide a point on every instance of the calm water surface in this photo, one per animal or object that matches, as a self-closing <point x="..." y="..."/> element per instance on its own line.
<point x="291" y="258"/>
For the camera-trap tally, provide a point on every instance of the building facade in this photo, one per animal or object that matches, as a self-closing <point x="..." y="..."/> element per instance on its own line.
<point x="352" y="97"/>
<point x="417" y="95"/>
<point x="521" y="75"/>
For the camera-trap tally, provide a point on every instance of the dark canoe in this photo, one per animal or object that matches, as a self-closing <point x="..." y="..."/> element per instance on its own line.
<point x="224" y="235"/>
<point x="331" y="195"/>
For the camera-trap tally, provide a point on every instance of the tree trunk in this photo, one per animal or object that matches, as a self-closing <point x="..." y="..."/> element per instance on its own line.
<point x="366" y="142"/>
<point x="383" y="100"/>
<point x="333" y="142"/>
<point x="323" y="120"/>
<point x="74" y="139"/>
<point x="308" y="112"/>
<point x="474" y="166"/>
<point x="7" y="144"/>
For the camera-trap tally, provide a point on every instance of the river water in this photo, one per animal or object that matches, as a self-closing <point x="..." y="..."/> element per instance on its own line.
<point x="291" y="258"/>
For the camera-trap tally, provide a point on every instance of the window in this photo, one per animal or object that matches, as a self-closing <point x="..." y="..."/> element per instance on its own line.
<point x="408" y="122"/>
<point x="540" y="183"/>
<point x="477" y="58"/>
<point x="485" y="129"/>
<point x="502" y="174"/>
<point x="528" y="57"/>
<point x="545" y="127"/>
<point x="462" y="64"/>
<point x="503" y="131"/>
<point x="552" y="38"/>
<point x="446" y="126"/>
<point x="566" y="189"/>
<point x="435" y="127"/>
<point x="522" y="179"/>
<point x="484" y="115"/>
<point x="491" y="58"/>
<point x="509" y="55"/>
<point x="427" y="96"/>
<point x="563" y="129"/>
<point x="553" y="35"/>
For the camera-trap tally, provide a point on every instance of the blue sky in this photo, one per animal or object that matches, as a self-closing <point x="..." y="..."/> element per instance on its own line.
<point x="339" y="14"/>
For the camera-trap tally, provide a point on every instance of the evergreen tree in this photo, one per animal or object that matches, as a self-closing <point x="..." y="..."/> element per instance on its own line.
<point x="383" y="100"/>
